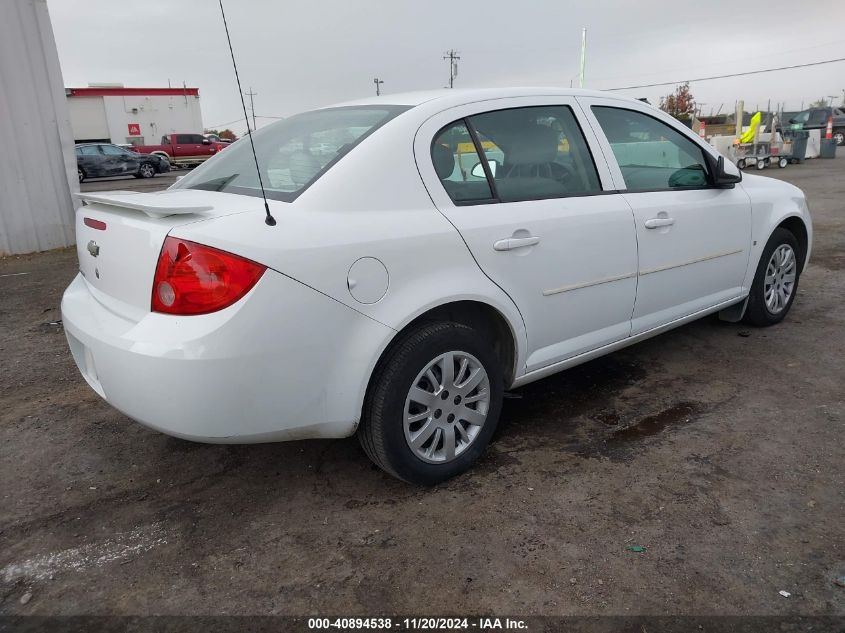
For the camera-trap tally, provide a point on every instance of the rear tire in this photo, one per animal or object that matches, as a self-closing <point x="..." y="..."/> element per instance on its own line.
<point x="415" y="424"/>
<point x="776" y="280"/>
<point x="839" y="136"/>
<point x="740" y="163"/>
<point x="80" y="174"/>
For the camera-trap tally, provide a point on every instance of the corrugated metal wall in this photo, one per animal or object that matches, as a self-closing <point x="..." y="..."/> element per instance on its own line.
<point x="37" y="161"/>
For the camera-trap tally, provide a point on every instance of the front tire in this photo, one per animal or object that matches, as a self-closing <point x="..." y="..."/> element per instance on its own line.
<point x="146" y="170"/>
<point x="80" y="174"/>
<point x="433" y="403"/>
<point x="776" y="280"/>
<point x="839" y="136"/>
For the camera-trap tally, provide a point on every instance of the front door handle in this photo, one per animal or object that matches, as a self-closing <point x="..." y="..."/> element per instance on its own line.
<point x="510" y="243"/>
<point x="656" y="223"/>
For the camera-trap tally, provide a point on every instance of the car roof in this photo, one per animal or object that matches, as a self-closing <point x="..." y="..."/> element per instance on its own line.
<point x="449" y="97"/>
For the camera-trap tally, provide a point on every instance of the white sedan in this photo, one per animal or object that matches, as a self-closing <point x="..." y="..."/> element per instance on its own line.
<point x="430" y="251"/>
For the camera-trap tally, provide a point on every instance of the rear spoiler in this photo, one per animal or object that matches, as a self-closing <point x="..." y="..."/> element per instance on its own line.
<point x="159" y="204"/>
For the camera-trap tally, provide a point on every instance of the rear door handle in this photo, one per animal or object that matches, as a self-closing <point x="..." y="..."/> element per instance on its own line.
<point x="510" y="243"/>
<point x="656" y="223"/>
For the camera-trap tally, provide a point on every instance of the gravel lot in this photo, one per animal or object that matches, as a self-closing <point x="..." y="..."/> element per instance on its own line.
<point x="717" y="448"/>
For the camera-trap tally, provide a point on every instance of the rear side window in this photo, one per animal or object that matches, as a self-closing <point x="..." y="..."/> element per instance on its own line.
<point x="111" y="150"/>
<point x="530" y="154"/>
<point x="651" y="155"/>
<point x="292" y="154"/>
<point x="457" y="165"/>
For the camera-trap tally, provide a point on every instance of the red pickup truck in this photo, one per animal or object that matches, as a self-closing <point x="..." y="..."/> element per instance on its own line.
<point x="183" y="150"/>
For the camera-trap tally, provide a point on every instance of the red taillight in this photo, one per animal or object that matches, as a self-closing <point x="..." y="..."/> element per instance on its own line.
<point x="194" y="279"/>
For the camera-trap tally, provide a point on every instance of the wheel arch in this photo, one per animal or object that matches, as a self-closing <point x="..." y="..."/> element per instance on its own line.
<point x="477" y="314"/>
<point x="795" y="225"/>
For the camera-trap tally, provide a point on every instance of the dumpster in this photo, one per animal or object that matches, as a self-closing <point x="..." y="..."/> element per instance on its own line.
<point x="828" y="148"/>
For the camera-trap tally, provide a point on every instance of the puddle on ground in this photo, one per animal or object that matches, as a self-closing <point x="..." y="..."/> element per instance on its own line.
<point x="680" y="413"/>
<point x="624" y="437"/>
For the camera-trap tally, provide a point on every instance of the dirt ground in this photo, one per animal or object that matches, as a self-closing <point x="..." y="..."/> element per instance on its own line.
<point x="716" y="447"/>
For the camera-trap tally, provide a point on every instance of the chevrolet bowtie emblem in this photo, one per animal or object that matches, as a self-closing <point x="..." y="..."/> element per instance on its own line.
<point x="93" y="248"/>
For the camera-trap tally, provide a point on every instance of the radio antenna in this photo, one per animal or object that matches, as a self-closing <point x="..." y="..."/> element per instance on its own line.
<point x="269" y="220"/>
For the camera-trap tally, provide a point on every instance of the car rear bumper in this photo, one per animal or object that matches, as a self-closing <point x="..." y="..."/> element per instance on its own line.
<point x="285" y="362"/>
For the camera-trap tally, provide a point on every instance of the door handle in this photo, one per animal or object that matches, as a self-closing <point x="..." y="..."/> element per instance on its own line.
<point x="510" y="243"/>
<point x="656" y="223"/>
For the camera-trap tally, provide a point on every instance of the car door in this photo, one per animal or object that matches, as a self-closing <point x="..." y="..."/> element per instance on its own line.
<point x="191" y="146"/>
<point x="694" y="240"/>
<point x="540" y="217"/>
<point x="90" y="160"/>
<point x="117" y="161"/>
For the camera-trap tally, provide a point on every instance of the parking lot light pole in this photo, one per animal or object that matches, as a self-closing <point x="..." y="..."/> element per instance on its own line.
<point x="378" y="82"/>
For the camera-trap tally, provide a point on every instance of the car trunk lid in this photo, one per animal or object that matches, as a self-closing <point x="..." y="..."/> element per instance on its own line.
<point x="120" y="234"/>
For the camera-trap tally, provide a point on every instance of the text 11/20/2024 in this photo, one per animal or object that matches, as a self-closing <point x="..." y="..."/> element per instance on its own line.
<point x="418" y="624"/>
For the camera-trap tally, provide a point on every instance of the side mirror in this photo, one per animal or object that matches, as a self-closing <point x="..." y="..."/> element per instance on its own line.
<point x="205" y="141"/>
<point x="723" y="175"/>
<point x="478" y="169"/>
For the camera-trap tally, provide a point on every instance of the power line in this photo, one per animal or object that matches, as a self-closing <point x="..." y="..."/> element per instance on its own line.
<point x="750" y="72"/>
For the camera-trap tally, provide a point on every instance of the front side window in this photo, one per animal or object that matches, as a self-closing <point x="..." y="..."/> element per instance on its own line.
<point x="818" y="117"/>
<point x="531" y="153"/>
<point x="801" y="117"/>
<point x="292" y="154"/>
<point x="651" y="154"/>
<point x="87" y="150"/>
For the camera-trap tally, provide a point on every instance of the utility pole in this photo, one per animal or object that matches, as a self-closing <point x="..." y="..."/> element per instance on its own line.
<point x="452" y="56"/>
<point x="252" y="94"/>
<point x="583" y="57"/>
<point x="378" y="83"/>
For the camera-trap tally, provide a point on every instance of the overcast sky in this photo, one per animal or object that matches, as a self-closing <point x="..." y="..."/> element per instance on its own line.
<point x="297" y="54"/>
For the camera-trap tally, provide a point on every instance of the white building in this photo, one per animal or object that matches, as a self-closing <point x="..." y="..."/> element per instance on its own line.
<point x="37" y="164"/>
<point x="140" y="116"/>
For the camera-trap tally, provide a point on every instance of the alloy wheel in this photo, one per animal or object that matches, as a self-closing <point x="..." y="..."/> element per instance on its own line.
<point x="779" y="283"/>
<point x="446" y="407"/>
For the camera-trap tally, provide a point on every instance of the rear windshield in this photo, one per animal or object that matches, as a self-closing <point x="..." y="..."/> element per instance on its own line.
<point x="292" y="154"/>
